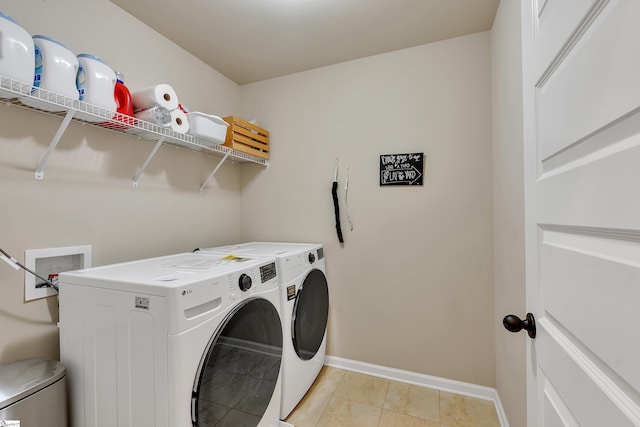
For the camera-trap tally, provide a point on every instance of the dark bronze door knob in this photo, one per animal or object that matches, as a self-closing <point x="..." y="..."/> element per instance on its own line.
<point x="513" y="323"/>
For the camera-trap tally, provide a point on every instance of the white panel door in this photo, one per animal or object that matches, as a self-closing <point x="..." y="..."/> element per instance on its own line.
<point x="581" y="66"/>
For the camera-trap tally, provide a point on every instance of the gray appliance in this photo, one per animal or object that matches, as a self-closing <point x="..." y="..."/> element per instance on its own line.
<point x="33" y="393"/>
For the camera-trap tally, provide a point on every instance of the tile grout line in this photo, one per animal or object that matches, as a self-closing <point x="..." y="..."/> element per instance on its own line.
<point x="331" y="396"/>
<point x="386" y="393"/>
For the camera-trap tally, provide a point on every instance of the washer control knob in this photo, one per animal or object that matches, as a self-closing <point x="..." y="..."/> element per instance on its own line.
<point x="312" y="258"/>
<point x="244" y="282"/>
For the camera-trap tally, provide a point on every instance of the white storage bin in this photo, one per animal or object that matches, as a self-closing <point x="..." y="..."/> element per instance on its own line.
<point x="17" y="60"/>
<point x="207" y="127"/>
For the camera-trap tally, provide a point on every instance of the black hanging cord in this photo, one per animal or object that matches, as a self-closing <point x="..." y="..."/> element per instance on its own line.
<point x="336" y="207"/>
<point x="12" y="259"/>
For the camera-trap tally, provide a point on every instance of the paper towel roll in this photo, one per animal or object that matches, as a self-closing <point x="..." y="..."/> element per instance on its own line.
<point x="179" y="121"/>
<point x="156" y="114"/>
<point x="162" y="95"/>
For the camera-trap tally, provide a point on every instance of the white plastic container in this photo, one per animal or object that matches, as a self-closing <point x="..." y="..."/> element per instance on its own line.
<point x="56" y="68"/>
<point x="96" y="83"/>
<point x="207" y="127"/>
<point x="16" y="57"/>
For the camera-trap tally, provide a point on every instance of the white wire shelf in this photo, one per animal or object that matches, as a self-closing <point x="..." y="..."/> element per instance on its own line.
<point x="19" y="94"/>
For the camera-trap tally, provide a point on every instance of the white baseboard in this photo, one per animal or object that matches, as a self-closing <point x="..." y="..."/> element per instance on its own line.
<point x="423" y="380"/>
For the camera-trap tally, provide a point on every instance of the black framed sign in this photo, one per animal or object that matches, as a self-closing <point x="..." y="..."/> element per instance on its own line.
<point x="401" y="169"/>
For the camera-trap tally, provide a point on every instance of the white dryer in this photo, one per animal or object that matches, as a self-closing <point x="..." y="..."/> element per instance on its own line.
<point x="304" y="296"/>
<point x="177" y="341"/>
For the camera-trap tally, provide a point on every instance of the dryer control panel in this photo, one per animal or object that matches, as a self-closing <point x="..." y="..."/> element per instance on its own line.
<point x="258" y="278"/>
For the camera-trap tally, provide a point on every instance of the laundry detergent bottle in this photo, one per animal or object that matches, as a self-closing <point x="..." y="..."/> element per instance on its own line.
<point x="124" y="106"/>
<point x="17" y="57"/>
<point x="95" y="83"/>
<point x="54" y="79"/>
<point x="123" y="97"/>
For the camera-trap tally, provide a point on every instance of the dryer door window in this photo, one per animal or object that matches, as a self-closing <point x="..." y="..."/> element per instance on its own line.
<point x="310" y="314"/>
<point x="238" y="373"/>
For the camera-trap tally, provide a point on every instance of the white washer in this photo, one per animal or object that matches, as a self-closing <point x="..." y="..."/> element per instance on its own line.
<point x="183" y="340"/>
<point x="304" y="296"/>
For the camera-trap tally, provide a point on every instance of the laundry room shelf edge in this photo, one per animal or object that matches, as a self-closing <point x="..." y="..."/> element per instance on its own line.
<point x="19" y="94"/>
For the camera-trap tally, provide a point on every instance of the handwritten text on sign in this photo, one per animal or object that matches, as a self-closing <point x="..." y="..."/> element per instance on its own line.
<point x="401" y="169"/>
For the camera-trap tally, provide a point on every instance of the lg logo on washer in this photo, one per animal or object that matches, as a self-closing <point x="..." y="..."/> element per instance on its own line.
<point x="186" y="292"/>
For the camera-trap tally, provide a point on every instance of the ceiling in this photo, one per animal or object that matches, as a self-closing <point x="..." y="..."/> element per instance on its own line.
<point x="253" y="40"/>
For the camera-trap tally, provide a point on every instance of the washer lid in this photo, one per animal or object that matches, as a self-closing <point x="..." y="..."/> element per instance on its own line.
<point x="160" y="276"/>
<point x="277" y="249"/>
<point x="25" y="377"/>
<point x="293" y="259"/>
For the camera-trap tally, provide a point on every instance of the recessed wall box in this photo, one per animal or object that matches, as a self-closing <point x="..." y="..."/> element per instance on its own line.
<point x="52" y="261"/>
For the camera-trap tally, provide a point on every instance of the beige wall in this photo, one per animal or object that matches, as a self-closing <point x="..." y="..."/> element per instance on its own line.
<point x="508" y="207"/>
<point x="87" y="196"/>
<point x="412" y="287"/>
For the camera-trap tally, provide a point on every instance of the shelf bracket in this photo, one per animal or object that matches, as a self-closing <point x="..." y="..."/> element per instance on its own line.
<point x="146" y="162"/>
<point x="54" y="143"/>
<point x="206" y="181"/>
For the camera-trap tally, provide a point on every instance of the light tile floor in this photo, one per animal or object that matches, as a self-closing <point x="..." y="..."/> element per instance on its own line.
<point x="340" y="398"/>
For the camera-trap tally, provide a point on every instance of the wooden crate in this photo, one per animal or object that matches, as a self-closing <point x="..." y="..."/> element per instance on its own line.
<point x="247" y="137"/>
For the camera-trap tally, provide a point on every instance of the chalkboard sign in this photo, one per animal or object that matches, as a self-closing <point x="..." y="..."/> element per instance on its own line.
<point x="401" y="169"/>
